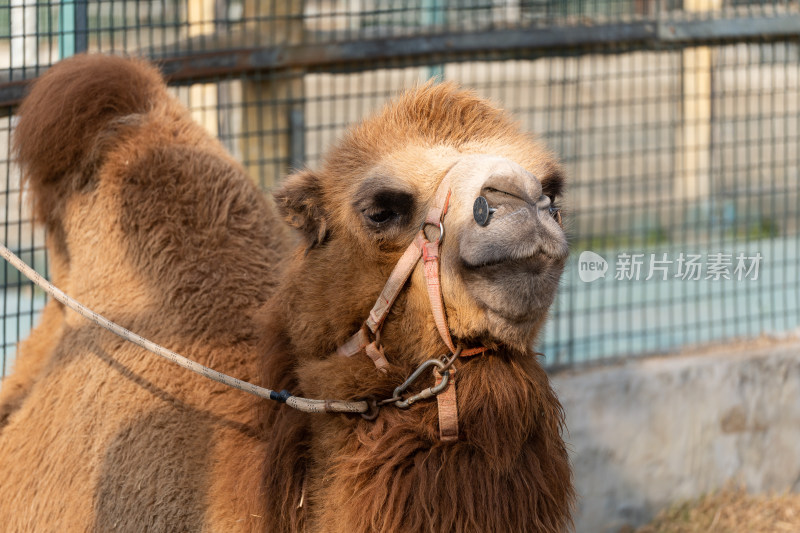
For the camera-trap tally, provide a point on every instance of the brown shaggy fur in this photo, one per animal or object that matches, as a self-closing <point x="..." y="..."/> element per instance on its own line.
<point x="153" y="225"/>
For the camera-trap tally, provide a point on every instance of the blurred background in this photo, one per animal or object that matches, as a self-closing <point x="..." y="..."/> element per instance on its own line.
<point x="678" y="123"/>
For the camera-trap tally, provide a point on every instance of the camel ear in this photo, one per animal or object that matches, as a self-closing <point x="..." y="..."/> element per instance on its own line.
<point x="299" y="201"/>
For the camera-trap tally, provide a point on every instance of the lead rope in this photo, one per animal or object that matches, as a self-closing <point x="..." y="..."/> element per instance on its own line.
<point x="301" y="404"/>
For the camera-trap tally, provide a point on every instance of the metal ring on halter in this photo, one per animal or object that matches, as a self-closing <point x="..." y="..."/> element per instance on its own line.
<point x="448" y="361"/>
<point x="441" y="230"/>
<point x="374" y="409"/>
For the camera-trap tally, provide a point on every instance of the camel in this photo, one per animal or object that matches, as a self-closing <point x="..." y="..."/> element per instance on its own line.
<point x="152" y="224"/>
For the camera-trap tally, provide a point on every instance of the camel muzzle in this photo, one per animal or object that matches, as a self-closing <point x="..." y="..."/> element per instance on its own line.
<point x="514" y="220"/>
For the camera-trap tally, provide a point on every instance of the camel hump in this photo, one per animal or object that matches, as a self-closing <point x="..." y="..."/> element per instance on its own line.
<point x="68" y="107"/>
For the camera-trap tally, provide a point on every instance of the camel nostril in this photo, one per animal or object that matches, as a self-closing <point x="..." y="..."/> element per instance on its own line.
<point x="481" y="211"/>
<point x="512" y="186"/>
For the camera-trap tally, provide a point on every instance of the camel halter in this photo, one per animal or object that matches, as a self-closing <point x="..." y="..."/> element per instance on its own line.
<point x="428" y="252"/>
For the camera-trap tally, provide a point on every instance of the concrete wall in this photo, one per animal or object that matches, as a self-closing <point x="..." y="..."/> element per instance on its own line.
<point x="647" y="433"/>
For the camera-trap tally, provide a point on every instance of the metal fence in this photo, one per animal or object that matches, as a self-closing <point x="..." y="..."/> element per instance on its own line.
<point x="678" y="123"/>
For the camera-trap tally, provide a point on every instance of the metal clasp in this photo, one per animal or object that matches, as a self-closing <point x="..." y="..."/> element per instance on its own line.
<point x="430" y="392"/>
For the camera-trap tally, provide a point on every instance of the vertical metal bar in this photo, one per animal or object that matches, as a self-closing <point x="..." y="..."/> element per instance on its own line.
<point x="81" y="25"/>
<point x="297" y="134"/>
<point x="73" y="34"/>
<point x="433" y="14"/>
<point x="66" y="29"/>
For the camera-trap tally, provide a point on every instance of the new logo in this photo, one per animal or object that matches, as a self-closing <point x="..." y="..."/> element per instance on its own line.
<point x="591" y="266"/>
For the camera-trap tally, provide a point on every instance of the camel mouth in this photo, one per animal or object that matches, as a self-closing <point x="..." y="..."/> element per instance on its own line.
<point x="516" y="290"/>
<point x="512" y="266"/>
<point x="535" y="261"/>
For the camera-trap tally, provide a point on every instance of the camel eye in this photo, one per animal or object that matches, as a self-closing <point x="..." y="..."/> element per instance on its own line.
<point x="385" y="209"/>
<point x="382" y="216"/>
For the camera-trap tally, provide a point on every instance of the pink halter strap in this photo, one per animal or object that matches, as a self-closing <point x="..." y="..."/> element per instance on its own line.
<point x="428" y="251"/>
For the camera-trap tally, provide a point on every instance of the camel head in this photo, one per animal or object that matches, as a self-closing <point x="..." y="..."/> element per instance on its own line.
<point x="360" y="210"/>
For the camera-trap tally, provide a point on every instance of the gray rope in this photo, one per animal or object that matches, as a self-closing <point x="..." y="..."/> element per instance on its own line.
<point x="302" y="404"/>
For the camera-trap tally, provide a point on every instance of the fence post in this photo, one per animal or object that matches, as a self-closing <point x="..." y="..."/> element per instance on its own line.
<point x="694" y="134"/>
<point x="272" y="131"/>
<point x="203" y="97"/>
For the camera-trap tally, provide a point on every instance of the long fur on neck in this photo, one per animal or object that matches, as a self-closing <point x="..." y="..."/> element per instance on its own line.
<point x="508" y="472"/>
